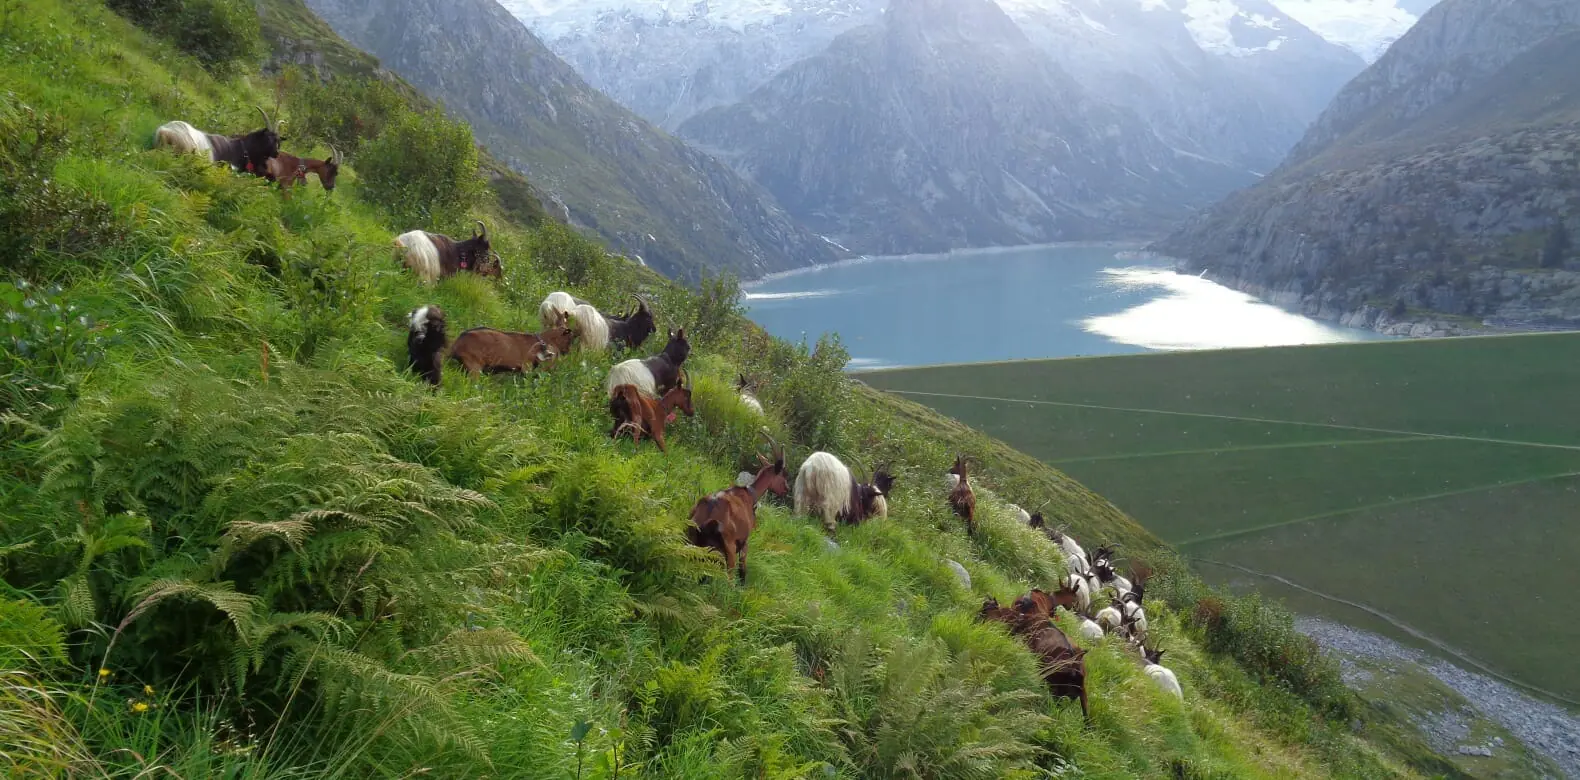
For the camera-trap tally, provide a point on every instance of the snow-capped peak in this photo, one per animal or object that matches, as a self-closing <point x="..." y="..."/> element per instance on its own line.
<point x="1366" y="27"/>
<point x="555" y="18"/>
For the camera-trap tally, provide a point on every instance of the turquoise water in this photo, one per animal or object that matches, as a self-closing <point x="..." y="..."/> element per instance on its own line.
<point x="1030" y="302"/>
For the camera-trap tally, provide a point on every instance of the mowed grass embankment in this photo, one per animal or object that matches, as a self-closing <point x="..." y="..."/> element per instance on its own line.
<point x="1430" y="482"/>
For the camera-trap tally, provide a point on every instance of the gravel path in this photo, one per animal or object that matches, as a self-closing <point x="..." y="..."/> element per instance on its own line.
<point x="1546" y="728"/>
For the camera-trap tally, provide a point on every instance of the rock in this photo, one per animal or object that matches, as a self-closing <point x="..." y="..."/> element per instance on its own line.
<point x="960" y="573"/>
<point x="1475" y="750"/>
<point x="830" y="543"/>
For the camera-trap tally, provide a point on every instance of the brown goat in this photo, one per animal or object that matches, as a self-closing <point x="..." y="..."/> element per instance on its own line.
<point x="1063" y="664"/>
<point x="637" y="414"/>
<point x="961" y="499"/>
<point x="499" y="351"/>
<point x="725" y="520"/>
<point x="288" y="169"/>
<point x="559" y="335"/>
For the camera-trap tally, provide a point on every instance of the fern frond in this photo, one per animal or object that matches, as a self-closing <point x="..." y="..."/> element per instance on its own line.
<point x="239" y="608"/>
<point x="467" y="651"/>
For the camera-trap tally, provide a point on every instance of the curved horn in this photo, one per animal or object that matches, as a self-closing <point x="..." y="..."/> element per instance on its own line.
<point x="484" y="228"/>
<point x="779" y="452"/>
<point x="267" y="122"/>
<point x="638" y="299"/>
<point x="683" y="378"/>
<point x="334" y="155"/>
<point x="642" y="301"/>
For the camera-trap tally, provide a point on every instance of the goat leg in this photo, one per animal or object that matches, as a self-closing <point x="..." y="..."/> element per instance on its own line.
<point x="742" y="555"/>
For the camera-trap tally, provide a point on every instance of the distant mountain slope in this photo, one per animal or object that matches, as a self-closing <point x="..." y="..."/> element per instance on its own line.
<point x="944" y="126"/>
<point x="1235" y="80"/>
<point x="1445" y="180"/>
<point x="644" y="192"/>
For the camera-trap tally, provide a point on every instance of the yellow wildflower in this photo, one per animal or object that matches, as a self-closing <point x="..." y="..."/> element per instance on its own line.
<point x="103" y="673"/>
<point x="148" y="690"/>
<point x="141" y="706"/>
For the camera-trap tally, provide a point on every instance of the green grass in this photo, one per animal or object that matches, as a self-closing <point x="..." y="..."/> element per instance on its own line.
<point x="241" y="542"/>
<point x="1337" y="467"/>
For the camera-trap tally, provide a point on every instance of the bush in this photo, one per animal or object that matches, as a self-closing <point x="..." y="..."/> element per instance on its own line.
<point x="423" y="170"/>
<point x="556" y="247"/>
<point x="221" y="34"/>
<point x="47" y="345"/>
<point x="718" y="309"/>
<point x="343" y="112"/>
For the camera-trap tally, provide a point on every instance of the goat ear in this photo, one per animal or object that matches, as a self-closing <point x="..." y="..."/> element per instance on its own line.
<point x="681" y="334"/>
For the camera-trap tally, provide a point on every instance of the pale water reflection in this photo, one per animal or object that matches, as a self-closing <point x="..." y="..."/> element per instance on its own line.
<point x="1027" y="302"/>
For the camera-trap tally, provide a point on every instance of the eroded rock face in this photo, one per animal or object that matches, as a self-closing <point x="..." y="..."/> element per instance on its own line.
<point x="1442" y="185"/>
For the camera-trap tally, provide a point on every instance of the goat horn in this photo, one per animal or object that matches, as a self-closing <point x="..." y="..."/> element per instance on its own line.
<point x="334" y="155"/>
<point x="267" y="122"/>
<point x="482" y="226"/>
<point x="638" y="300"/>
<point x="642" y="301"/>
<point x="778" y="451"/>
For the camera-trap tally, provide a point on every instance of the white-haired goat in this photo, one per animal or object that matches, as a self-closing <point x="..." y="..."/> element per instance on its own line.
<point x="1083" y="591"/>
<point x="747" y="392"/>
<point x="555" y="304"/>
<point x="654" y="376"/>
<point x="1020" y="514"/>
<point x="1109" y="618"/>
<point x="1162" y="676"/>
<point x="822" y="487"/>
<point x="419" y="253"/>
<point x="183" y="138"/>
<point x="590" y="326"/>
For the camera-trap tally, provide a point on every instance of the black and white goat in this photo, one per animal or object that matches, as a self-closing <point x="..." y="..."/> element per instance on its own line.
<point x="825" y="487"/>
<point x="425" y="342"/>
<point x="248" y="152"/>
<point x="433" y="256"/>
<point x="1161" y="676"/>
<point x="597" y="330"/>
<point x="747" y="391"/>
<point x="655" y="375"/>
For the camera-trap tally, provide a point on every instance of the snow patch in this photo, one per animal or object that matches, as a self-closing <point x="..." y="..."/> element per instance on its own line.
<point x="1366" y="27"/>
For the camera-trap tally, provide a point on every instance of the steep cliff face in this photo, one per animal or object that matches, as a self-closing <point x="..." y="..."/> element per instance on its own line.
<point x="643" y="191"/>
<point x="944" y="126"/>
<point x="1443" y="182"/>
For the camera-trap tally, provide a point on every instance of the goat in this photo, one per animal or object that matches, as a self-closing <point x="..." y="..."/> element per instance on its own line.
<point x="499" y="351"/>
<point x="556" y="304"/>
<point x="1020" y="514"/>
<point x="1161" y="675"/>
<point x="655" y="375"/>
<point x="991" y="611"/>
<point x="1104" y="569"/>
<point x="632" y="328"/>
<point x="639" y="415"/>
<point x="434" y="256"/>
<point x="725" y="520"/>
<point x="826" y="487"/>
<point x="1090" y="630"/>
<point x="288" y="169"/>
<point x="1063" y="664"/>
<point x="425" y="342"/>
<point x="590" y="326"/>
<point x="961" y="499"/>
<point x="1109" y="618"/>
<point x="1083" y="592"/>
<point x="748" y="397"/>
<point x="248" y="152"/>
<point x="1133" y="621"/>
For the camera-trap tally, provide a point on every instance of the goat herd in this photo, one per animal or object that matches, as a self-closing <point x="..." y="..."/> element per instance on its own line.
<point x="644" y="394"/>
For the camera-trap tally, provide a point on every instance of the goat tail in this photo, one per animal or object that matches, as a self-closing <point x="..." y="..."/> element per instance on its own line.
<point x="419" y="254"/>
<point x="631" y="372"/>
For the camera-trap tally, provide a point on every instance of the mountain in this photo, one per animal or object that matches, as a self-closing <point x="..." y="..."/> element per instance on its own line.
<point x="1365" y="27"/>
<point x="943" y="126"/>
<point x="1235" y="80"/>
<point x="1445" y="180"/>
<point x="643" y="191"/>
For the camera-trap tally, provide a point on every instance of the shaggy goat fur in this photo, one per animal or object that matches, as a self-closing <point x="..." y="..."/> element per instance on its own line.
<point x="183" y="138"/>
<point x="823" y="488"/>
<point x="425" y="343"/>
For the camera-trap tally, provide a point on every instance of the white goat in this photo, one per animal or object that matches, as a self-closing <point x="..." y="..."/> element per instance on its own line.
<point x="631" y="372"/>
<point x="1075" y="564"/>
<point x="1089" y="629"/>
<point x="592" y="330"/>
<point x="1162" y="676"/>
<point x="748" y="398"/>
<point x="1109" y="618"/>
<point x="1068" y="544"/>
<point x="419" y="254"/>
<point x="823" y="488"/>
<point x="1133" y="614"/>
<point x="555" y="304"/>
<point x="1083" y="593"/>
<point x="184" y="139"/>
<point x="1020" y="514"/>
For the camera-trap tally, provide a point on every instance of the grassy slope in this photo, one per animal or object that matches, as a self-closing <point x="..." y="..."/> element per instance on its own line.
<point x="1292" y="487"/>
<point x="257" y="422"/>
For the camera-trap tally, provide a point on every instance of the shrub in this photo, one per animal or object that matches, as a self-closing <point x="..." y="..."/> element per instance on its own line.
<point x="719" y="311"/>
<point x="557" y="247"/>
<point x="221" y="34"/>
<point x="344" y="112"/>
<point x="813" y="392"/>
<point x="47" y="345"/>
<point x="423" y="170"/>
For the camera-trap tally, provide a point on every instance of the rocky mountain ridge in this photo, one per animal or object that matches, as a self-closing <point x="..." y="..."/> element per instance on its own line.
<point x="643" y="191"/>
<point x="1442" y="188"/>
<point x="944" y="127"/>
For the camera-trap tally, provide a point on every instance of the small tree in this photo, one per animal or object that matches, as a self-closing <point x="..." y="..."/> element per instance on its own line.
<point x="718" y="307"/>
<point x="344" y="112"/>
<point x="423" y="170"/>
<point x="1558" y="245"/>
